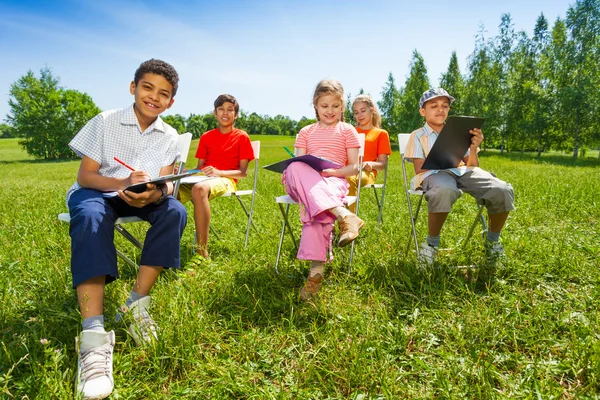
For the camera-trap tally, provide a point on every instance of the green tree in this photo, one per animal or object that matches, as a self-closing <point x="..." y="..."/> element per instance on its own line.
<point x="348" y="114"/>
<point x="389" y="105"/>
<point x="195" y="125"/>
<point x="453" y="81"/>
<point x="46" y="115"/>
<point x="557" y="71"/>
<point x="502" y="53"/>
<point x="304" y="122"/>
<point x="408" y="116"/>
<point x="482" y="89"/>
<point x="7" y="131"/>
<point x="543" y="101"/>
<point x="176" y="121"/>
<point x="583" y="22"/>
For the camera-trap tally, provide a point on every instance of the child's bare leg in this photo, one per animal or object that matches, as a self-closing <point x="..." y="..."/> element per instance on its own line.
<point x="146" y="278"/>
<point x="200" y="193"/>
<point x="435" y="222"/>
<point x="90" y="296"/>
<point x="497" y="221"/>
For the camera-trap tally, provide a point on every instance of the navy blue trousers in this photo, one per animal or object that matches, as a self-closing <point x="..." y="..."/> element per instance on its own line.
<point x="92" y="231"/>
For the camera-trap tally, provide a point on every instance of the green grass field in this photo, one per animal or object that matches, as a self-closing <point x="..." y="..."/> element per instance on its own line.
<point x="235" y="329"/>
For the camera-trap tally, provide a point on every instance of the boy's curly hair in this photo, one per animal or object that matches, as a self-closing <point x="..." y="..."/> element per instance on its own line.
<point x="158" y="67"/>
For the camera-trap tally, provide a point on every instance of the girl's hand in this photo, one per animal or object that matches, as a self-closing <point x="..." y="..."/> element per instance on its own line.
<point x="328" y="172"/>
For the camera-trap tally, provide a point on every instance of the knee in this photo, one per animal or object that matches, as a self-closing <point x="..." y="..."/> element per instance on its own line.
<point x="444" y="193"/>
<point x="176" y="210"/>
<point x="200" y="191"/>
<point x="500" y="198"/>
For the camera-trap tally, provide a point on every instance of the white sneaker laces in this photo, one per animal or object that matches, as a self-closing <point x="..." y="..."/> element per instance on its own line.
<point x="96" y="363"/>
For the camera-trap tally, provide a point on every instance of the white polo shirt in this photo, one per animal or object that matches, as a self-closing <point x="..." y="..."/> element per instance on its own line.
<point x="117" y="133"/>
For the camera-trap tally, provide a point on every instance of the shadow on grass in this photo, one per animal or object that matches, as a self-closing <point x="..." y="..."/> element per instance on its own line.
<point x="30" y="161"/>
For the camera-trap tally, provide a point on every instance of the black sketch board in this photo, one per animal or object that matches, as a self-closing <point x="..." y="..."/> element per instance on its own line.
<point x="452" y="143"/>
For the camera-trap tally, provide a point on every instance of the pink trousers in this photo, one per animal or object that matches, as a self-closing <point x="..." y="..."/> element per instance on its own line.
<point x="315" y="195"/>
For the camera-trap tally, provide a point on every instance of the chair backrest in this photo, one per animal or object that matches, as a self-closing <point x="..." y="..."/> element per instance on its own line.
<point x="361" y="140"/>
<point x="183" y="145"/>
<point x="256" y="149"/>
<point x="402" y="142"/>
<point x="185" y="140"/>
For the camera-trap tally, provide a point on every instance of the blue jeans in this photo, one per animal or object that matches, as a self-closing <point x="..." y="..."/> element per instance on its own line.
<point x="93" y="216"/>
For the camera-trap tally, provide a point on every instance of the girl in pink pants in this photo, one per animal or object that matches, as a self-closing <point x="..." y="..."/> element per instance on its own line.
<point x="321" y="195"/>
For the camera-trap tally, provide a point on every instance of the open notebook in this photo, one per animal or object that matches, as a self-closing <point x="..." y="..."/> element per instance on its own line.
<point x="316" y="163"/>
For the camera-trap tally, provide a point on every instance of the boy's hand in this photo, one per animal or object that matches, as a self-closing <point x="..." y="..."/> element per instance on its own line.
<point x="476" y="138"/>
<point x="138" y="177"/>
<point x="211" y="171"/>
<point x="139" y="200"/>
<point x="367" y="166"/>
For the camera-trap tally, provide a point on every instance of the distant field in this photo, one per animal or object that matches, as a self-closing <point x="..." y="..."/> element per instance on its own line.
<point x="235" y="329"/>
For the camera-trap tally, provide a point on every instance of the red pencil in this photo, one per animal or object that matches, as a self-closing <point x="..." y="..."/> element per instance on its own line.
<point x="124" y="164"/>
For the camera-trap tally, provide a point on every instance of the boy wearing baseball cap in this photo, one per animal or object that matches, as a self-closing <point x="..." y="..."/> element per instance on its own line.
<point x="443" y="187"/>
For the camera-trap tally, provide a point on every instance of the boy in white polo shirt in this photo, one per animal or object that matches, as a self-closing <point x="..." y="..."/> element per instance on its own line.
<point x="137" y="136"/>
<point x="443" y="187"/>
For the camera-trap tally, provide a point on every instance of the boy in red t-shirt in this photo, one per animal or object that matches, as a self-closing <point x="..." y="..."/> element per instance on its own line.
<point x="223" y="155"/>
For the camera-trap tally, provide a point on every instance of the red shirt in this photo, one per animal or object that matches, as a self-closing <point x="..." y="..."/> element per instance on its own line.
<point x="224" y="150"/>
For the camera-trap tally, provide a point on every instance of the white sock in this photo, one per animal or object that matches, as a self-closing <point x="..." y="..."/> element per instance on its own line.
<point x="340" y="212"/>
<point x="317" y="267"/>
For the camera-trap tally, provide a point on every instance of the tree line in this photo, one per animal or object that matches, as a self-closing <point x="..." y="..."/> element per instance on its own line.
<point x="537" y="93"/>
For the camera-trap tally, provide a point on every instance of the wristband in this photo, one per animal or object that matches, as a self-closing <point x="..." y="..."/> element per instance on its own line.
<point x="163" y="195"/>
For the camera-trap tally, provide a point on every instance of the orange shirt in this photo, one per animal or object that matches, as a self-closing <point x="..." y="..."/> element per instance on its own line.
<point x="377" y="141"/>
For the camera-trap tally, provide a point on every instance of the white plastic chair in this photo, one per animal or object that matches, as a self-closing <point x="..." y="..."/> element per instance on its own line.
<point x="285" y="201"/>
<point x="376" y="188"/>
<point x="402" y="142"/>
<point x="184" y="147"/>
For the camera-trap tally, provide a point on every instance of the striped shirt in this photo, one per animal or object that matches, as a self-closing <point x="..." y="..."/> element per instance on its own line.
<point x="117" y="133"/>
<point x="419" y="145"/>
<point x="330" y="142"/>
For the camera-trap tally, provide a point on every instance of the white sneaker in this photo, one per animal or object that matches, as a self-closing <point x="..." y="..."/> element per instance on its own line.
<point x="143" y="327"/>
<point x="95" y="364"/>
<point x="494" y="252"/>
<point x="426" y="256"/>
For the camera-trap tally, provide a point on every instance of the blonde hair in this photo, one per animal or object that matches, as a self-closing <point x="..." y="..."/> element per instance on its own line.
<point x="375" y="116"/>
<point x="332" y="87"/>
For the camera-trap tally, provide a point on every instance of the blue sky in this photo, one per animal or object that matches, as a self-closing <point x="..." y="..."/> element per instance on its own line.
<point x="269" y="54"/>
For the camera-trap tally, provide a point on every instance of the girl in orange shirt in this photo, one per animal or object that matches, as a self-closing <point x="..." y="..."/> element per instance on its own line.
<point x="377" y="143"/>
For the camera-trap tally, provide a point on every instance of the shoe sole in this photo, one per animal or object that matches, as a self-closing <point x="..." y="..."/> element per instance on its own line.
<point x="344" y="243"/>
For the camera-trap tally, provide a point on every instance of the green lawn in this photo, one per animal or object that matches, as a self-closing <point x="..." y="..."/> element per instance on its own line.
<point x="235" y="329"/>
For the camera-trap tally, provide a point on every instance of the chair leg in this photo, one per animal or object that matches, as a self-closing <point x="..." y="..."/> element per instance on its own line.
<point x="478" y="218"/>
<point x="351" y="256"/>
<point x="127" y="259"/>
<point x="379" y="206"/>
<point x="413" y="220"/>
<point x="128" y="236"/>
<point x="286" y="223"/>
<point x="247" y="213"/>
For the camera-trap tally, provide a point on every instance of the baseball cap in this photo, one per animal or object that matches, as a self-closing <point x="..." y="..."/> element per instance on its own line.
<point x="434" y="93"/>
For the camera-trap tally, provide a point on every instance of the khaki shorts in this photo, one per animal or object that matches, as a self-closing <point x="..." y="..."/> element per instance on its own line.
<point x="218" y="187"/>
